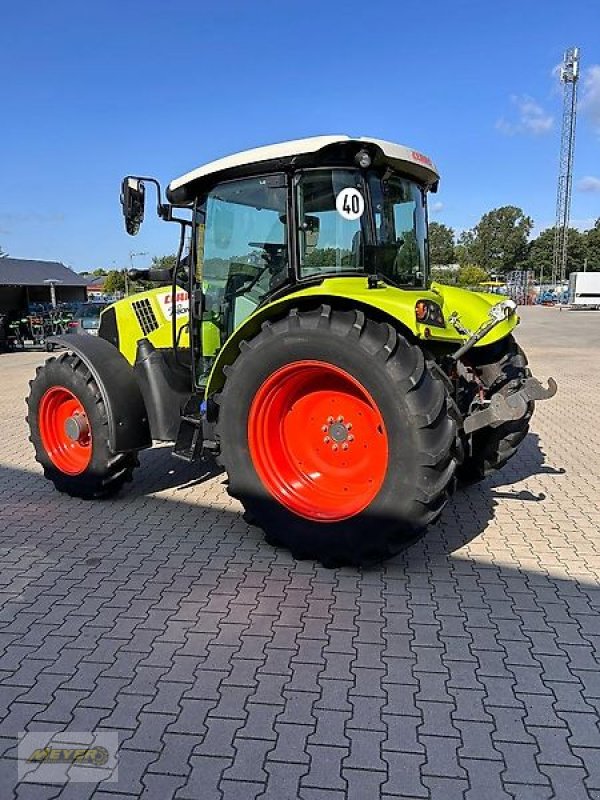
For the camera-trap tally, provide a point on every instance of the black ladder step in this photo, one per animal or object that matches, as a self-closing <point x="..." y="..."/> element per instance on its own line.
<point x="188" y="446"/>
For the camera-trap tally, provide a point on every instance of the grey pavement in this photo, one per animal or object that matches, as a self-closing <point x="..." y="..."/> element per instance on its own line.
<point x="465" y="668"/>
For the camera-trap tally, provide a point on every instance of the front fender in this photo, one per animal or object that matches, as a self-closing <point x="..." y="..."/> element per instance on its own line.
<point x="128" y="427"/>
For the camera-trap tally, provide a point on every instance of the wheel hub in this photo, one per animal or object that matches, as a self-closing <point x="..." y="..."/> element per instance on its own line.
<point x="338" y="432"/>
<point x="77" y="428"/>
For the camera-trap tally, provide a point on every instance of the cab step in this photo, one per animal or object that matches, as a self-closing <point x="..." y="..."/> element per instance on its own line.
<point x="189" y="443"/>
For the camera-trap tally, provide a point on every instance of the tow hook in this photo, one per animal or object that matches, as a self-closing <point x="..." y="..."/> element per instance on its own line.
<point x="507" y="408"/>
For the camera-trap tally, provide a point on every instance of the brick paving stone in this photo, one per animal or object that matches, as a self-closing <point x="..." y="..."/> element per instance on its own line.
<point x="283" y="780"/>
<point x="291" y="745"/>
<point x="240" y="790"/>
<point x="485" y="779"/>
<point x="248" y="761"/>
<point x="553" y="747"/>
<point x="566" y="781"/>
<point x="521" y="766"/>
<point x="325" y="767"/>
<point x="159" y="787"/>
<point x="204" y="778"/>
<point x="448" y="788"/>
<point x="520" y="791"/>
<point x="404" y="775"/>
<point x="363" y="783"/>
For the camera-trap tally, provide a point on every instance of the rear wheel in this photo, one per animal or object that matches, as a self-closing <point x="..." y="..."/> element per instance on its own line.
<point x="335" y="436"/>
<point x="502" y="368"/>
<point x="68" y="425"/>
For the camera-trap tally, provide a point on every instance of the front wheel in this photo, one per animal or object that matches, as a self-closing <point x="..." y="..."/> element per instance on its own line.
<point x="335" y="436"/>
<point x="69" y="430"/>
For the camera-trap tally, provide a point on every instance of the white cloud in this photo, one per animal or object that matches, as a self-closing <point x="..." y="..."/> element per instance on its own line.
<point x="589" y="184"/>
<point x="436" y="207"/>
<point x="590" y="95"/>
<point x="531" y="118"/>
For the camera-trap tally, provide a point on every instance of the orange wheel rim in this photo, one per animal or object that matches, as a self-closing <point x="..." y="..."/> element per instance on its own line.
<point x="318" y="441"/>
<point x="65" y="431"/>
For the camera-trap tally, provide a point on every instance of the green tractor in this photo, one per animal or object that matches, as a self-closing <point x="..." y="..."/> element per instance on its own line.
<point x="297" y="340"/>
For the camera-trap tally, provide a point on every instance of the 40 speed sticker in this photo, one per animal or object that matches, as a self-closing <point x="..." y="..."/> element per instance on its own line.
<point x="165" y="302"/>
<point x="350" y="203"/>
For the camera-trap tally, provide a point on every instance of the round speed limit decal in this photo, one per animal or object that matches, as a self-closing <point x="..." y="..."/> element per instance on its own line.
<point x="350" y="203"/>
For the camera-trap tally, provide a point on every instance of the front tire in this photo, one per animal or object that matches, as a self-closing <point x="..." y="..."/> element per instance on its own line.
<point x="68" y="425"/>
<point x="336" y="437"/>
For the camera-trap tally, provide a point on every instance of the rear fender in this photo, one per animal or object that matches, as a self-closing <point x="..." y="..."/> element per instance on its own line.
<point x="128" y="427"/>
<point x="252" y="325"/>
<point x="386" y="303"/>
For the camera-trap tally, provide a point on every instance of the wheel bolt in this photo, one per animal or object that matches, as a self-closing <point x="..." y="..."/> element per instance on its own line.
<point x="340" y="418"/>
<point x="334" y="448"/>
<point x="349" y="426"/>
<point x="330" y="420"/>
<point x="351" y="438"/>
<point x="345" y="446"/>
<point x="327" y="440"/>
<point x="324" y="428"/>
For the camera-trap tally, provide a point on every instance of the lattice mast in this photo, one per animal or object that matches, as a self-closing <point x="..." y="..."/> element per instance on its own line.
<point x="569" y="75"/>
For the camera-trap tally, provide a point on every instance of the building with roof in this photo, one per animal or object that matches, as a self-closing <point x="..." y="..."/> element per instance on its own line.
<point x="96" y="287"/>
<point x="24" y="282"/>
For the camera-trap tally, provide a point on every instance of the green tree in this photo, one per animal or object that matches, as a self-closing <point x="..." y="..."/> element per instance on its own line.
<point x="592" y="244"/>
<point x="445" y="276"/>
<point x="441" y="244"/>
<point x="500" y="239"/>
<point x="463" y="250"/>
<point x="164" y="262"/>
<point x="471" y="275"/>
<point x="328" y="257"/>
<point x="99" y="273"/>
<point x="541" y="251"/>
<point x="115" y="282"/>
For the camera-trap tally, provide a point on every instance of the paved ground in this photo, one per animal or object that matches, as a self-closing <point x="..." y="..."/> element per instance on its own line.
<point x="468" y="667"/>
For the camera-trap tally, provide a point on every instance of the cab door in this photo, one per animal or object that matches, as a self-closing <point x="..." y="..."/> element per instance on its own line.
<point x="242" y="254"/>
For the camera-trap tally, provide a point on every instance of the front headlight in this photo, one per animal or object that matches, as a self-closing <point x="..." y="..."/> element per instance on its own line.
<point x="429" y="313"/>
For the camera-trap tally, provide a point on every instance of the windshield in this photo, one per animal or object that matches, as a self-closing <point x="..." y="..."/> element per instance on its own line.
<point x="349" y="224"/>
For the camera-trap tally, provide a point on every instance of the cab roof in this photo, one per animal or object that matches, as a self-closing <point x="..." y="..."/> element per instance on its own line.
<point x="313" y="151"/>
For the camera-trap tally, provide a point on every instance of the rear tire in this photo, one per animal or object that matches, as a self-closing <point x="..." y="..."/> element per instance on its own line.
<point x="85" y="468"/>
<point x="493" y="447"/>
<point x="345" y="505"/>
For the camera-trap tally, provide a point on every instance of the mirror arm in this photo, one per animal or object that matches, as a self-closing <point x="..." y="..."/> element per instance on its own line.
<point x="165" y="212"/>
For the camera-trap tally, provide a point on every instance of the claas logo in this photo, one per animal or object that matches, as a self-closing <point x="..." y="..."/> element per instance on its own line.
<point x="422" y="159"/>
<point x="180" y="297"/>
<point x="81" y="756"/>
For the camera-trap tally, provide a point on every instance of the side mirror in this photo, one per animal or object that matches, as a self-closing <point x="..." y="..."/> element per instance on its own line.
<point x="132" y="201"/>
<point x="160" y="275"/>
<point x="153" y="274"/>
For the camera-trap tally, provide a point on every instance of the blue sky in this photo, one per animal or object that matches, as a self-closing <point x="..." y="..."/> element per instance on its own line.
<point x="93" y="91"/>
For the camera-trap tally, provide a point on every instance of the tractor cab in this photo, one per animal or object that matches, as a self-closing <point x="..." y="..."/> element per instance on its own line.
<point x="281" y="219"/>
